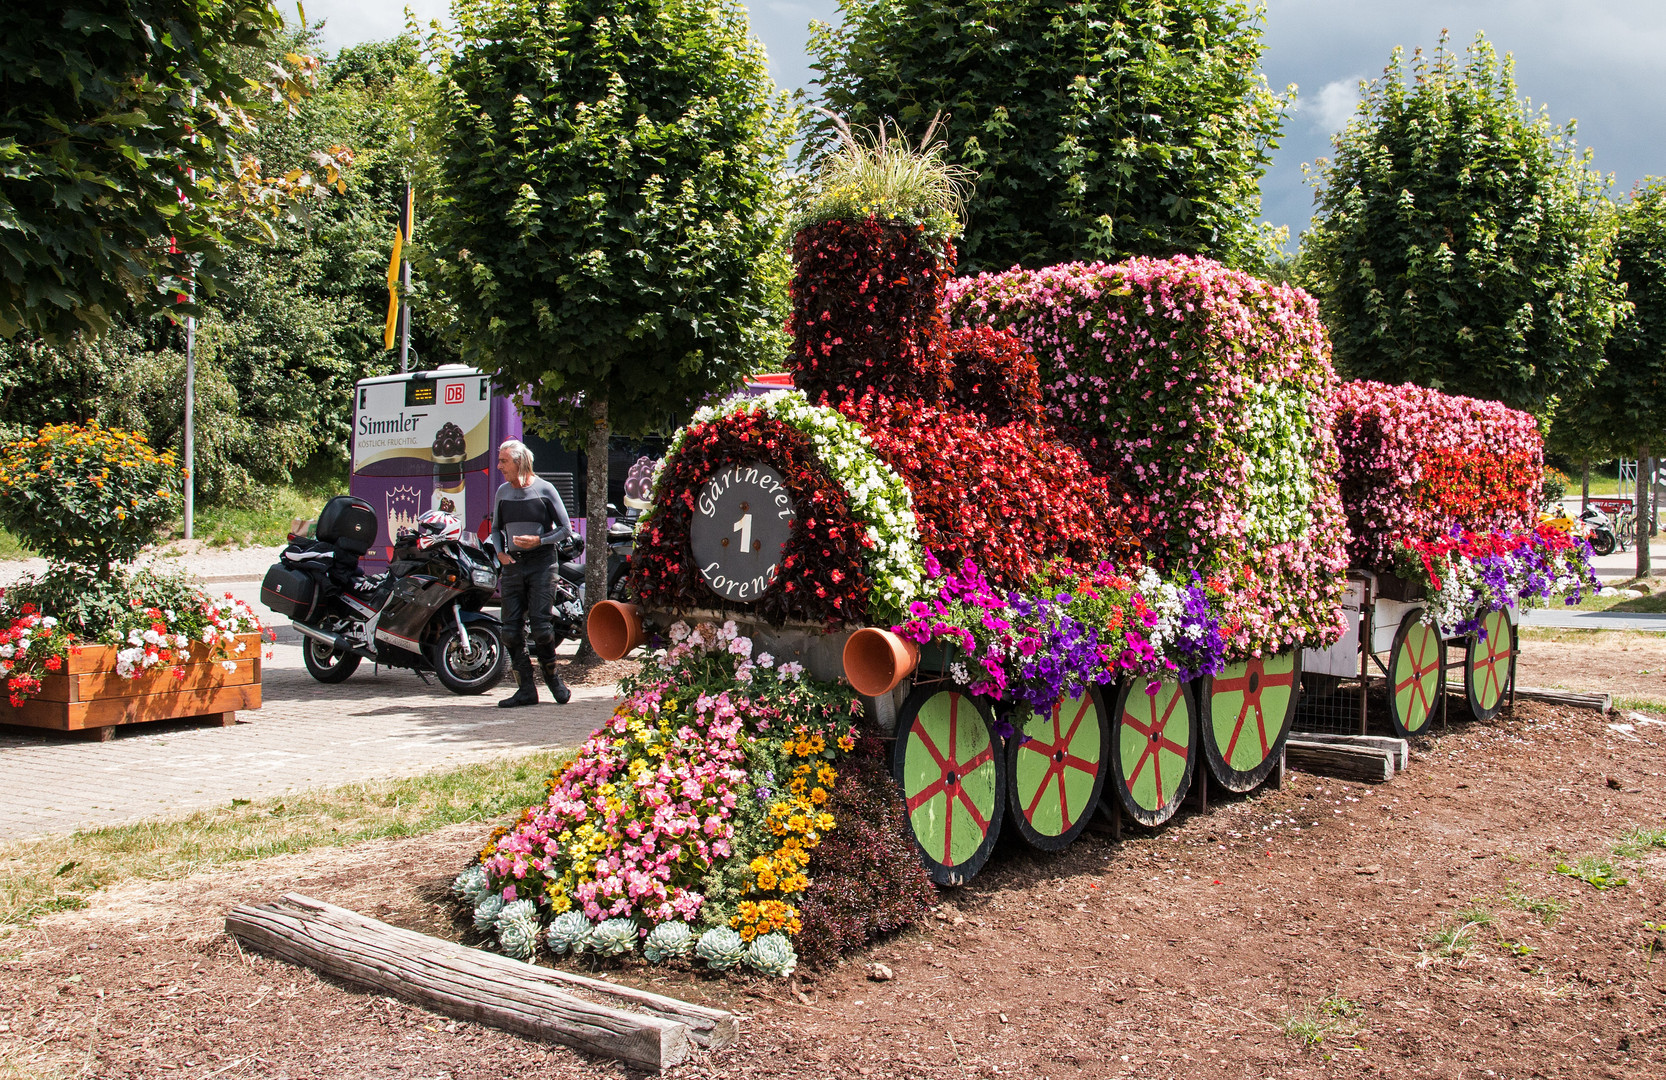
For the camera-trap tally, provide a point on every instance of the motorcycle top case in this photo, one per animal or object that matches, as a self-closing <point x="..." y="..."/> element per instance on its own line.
<point x="349" y="523"/>
<point x="289" y="591"/>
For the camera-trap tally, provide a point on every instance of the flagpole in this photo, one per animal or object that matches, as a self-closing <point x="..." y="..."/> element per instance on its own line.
<point x="406" y="212"/>
<point x="191" y="396"/>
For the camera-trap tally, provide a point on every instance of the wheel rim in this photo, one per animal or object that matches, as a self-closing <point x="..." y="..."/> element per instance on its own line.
<point x="1154" y="749"/>
<point x="1489" y="663"/>
<point x="951" y="782"/>
<point x="1249" y="712"/>
<point x="471" y="669"/>
<point x="322" y="655"/>
<point x="1058" y="771"/>
<point x="1416" y="669"/>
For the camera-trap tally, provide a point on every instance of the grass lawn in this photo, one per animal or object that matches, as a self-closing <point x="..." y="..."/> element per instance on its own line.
<point x="57" y="873"/>
<point x="262" y="518"/>
<point x="1653" y="602"/>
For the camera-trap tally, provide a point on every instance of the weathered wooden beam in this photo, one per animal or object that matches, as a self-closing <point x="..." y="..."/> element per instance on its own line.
<point x="472" y="985"/>
<point x="1399" y="747"/>
<point x="1576" y="698"/>
<point x="1367" y="763"/>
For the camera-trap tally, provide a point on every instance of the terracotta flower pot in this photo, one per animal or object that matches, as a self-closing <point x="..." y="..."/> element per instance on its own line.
<point x="877" y="660"/>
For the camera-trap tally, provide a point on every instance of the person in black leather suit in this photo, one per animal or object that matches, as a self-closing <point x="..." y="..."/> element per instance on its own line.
<point x="529" y="521"/>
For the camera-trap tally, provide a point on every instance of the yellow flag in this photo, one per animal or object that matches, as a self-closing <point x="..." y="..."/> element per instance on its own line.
<point x="393" y="288"/>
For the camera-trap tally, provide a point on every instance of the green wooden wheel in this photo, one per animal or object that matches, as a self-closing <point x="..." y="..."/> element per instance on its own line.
<point x="1417" y="675"/>
<point x="1055" y="776"/>
<point x="1247" y="710"/>
<point x="1155" y="739"/>
<point x="1489" y="664"/>
<point x="947" y="762"/>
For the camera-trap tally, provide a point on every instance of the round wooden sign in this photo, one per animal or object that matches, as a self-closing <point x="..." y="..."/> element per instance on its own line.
<point x="742" y="520"/>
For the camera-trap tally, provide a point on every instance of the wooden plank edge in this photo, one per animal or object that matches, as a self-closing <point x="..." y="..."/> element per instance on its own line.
<point x="1577" y="698"/>
<point x="1346" y="762"/>
<point x="492" y="989"/>
<point x="1399" y="747"/>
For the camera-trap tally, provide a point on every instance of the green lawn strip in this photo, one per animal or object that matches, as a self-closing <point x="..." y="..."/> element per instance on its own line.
<point x="260" y="519"/>
<point x="44" y="874"/>
<point x="11" y="549"/>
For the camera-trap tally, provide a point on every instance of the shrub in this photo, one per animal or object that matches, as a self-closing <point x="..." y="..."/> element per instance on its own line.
<point x="1416" y="462"/>
<point x="1553" y="489"/>
<point x="1206" y="394"/>
<point x="866" y="877"/>
<point x="87" y="494"/>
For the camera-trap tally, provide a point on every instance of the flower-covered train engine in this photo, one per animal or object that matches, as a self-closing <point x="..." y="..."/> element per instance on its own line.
<point x="1040" y="575"/>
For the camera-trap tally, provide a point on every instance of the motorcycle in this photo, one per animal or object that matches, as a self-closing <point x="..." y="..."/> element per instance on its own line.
<point x="568" y="614"/>
<point x="1599" y="530"/>
<point x="423" y="613"/>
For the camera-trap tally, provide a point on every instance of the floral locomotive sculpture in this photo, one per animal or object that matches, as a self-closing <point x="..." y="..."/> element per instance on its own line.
<point x="939" y="490"/>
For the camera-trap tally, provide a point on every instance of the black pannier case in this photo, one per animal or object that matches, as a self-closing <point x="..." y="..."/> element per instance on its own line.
<point x="289" y="591"/>
<point x="348" y="523"/>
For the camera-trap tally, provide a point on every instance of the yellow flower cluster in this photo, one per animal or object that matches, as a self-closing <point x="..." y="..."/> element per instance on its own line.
<point x="755" y="918"/>
<point x="800" y="823"/>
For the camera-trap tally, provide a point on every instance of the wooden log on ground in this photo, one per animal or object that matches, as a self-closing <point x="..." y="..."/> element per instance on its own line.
<point x="1399" y="747"/>
<point x="469" y="984"/>
<point x="1367" y="763"/>
<point x="1576" y="698"/>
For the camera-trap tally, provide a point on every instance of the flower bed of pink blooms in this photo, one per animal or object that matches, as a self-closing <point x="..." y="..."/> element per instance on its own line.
<point x="1417" y="463"/>
<point x="1206" y="392"/>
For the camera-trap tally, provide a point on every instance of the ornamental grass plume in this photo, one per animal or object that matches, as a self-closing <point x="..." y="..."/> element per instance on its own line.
<point x="873" y="175"/>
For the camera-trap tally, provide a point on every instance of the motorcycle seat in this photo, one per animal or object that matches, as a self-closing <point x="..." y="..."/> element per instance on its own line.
<point x="619" y="531"/>
<point x="573" y="572"/>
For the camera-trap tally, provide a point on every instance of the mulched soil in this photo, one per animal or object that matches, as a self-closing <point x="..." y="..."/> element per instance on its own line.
<point x="1185" y="952"/>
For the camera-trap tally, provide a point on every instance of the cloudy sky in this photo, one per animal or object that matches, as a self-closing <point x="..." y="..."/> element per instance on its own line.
<point x="1600" y="62"/>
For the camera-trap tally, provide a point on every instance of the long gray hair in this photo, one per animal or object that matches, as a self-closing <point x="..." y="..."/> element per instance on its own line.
<point x="520" y="453"/>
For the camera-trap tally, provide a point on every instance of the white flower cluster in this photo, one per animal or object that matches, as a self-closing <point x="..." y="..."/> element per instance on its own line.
<point x="144" y="651"/>
<point x="1163" y="597"/>
<point x="1277" y="441"/>
<point x="877" y="494"/>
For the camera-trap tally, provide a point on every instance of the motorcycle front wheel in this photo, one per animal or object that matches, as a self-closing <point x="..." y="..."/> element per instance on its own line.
<point x="1602" y="543"/>
<point x="474" y="668"/>
<point x="326" y="664"/>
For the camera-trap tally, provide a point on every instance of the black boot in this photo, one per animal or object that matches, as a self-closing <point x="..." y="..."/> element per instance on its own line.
<point x="527" y="692"/>
<point x="546" y="661"/>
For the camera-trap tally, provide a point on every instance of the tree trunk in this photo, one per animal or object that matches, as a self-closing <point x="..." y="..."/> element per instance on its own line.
<point x="1643" y="567"/>
<point x="595" y="526"/>
<point x="1584" y="485"/>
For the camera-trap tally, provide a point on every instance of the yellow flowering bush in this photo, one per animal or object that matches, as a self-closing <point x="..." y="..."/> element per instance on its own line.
<point x="87" y="494"/>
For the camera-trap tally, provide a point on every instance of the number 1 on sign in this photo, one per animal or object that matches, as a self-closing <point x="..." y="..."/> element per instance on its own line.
<point x="744" y="527"/>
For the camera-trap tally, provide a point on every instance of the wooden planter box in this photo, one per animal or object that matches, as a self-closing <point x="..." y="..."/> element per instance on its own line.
<point x="89" y="696"/>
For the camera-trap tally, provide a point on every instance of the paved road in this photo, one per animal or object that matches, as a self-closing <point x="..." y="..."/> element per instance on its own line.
<point x="1593" y="620"/>
<point x="306" y="735"/>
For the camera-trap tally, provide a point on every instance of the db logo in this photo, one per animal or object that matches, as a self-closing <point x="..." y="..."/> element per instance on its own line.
<point x="454" y="393"/>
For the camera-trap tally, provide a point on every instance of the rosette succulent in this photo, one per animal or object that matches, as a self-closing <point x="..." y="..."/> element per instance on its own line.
<point x="668" y="940"/>
<point x="569" y="932"/>
<point x="517" y="929"/>
<point x="615" y="937"/>
<point x="486" y="913"/>
<point x="772" y="954"/>
<point x="472" y="886"/>
<point x="721" y="948"/>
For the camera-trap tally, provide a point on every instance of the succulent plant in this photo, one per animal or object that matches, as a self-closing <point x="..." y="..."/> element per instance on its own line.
<point x="569" y="932"/>
<point x="667" y="941"/>
<point x="614" y="937"/>
<point x="721" y="948"/>
<point x="486" y="913"/>
<point x="472" y="885"/>
<point x="517" y="929"/>
<point x="772" y="954"/>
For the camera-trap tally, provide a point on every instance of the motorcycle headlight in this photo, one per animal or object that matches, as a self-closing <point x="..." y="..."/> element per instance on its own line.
<point x="486" y="579"/>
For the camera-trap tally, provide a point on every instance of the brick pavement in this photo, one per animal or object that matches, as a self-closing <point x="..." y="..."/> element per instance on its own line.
<point x="306" y="735"/>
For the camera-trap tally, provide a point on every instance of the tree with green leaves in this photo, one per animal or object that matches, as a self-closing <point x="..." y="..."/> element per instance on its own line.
<point x="119" y="172"/>
<point x="1461" y="240"/>
<point x="1623" y="412"/>
<point x="1099" y="128"/>
<point x="611" y="227"/>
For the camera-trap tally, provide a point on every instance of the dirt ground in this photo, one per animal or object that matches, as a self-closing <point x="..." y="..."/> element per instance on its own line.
<point x="1207" y="949"/>
<point x="1625" y="665"/>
